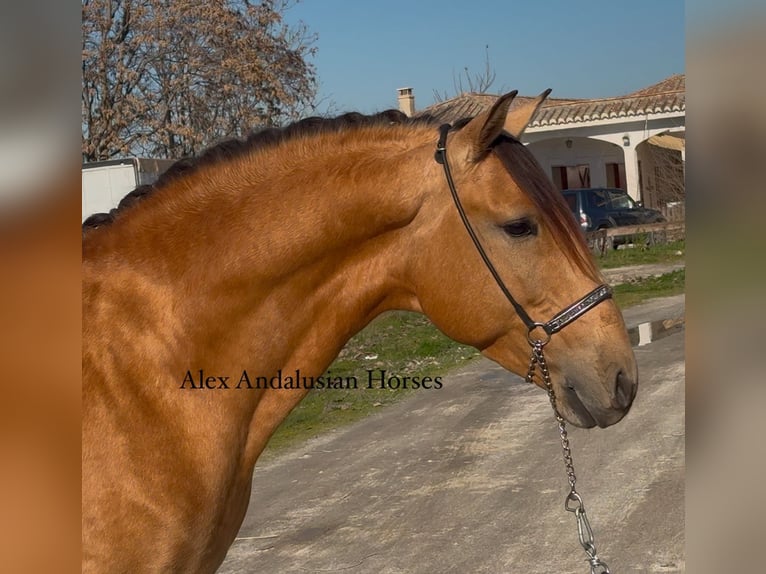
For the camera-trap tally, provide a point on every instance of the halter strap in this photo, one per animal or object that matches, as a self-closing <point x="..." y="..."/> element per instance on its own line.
<point x="562" y="319"/>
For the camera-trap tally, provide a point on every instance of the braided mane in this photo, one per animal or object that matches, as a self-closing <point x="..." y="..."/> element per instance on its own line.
<point x="258" y="139"/>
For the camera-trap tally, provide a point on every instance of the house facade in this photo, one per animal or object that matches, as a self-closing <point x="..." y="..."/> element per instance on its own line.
<point x="634" y="142"/>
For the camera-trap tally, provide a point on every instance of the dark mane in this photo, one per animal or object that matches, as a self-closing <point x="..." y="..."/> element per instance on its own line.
<point x="256" y="140"/>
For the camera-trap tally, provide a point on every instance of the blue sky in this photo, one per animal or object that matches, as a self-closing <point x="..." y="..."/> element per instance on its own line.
<point x="582" y="49"/>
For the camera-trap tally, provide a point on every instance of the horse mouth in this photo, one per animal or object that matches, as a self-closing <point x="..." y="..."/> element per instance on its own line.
<point x="577" y="411"/>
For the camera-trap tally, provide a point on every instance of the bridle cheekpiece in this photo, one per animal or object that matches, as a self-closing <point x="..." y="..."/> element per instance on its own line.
<point x="563" y="318"/>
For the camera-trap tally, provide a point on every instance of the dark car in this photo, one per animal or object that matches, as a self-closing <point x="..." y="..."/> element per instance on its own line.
<point x="599" y="208"/>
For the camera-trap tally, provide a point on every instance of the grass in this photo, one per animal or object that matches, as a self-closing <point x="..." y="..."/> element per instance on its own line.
<point x="633" y="293"/>
<point x="666" y="253"/>
<point x="399" y="343"/>
<point x="407" y="344"/>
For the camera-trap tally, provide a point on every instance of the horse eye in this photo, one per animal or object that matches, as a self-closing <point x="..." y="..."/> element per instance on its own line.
<point x="520" y="228"/>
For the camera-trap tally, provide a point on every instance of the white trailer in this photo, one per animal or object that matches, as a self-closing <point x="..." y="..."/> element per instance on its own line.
<point x="105" y="183"/>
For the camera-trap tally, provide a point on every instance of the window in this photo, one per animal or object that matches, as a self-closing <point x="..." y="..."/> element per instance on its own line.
<point x="621" y="201"/>
<point x="571" y="200"/>
<point x="598" y="198"/>
<point x="615" y="176"/>
<point x="559" y="177"/>
<point x="571" y="176"/>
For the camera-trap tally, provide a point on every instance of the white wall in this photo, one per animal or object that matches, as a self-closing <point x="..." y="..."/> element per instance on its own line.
<point x="554" y="152"/>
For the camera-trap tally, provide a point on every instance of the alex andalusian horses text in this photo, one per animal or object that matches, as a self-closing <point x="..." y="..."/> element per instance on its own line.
<point x="267" y="255"/>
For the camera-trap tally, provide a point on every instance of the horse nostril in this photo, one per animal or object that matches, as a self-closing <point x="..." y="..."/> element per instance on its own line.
<point x="625" y="390"/>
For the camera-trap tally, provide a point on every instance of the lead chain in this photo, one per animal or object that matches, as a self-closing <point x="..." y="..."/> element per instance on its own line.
<point x="573" y="502"/>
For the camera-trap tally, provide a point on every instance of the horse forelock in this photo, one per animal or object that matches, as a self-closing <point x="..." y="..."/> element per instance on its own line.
<point x="258" y="140"/>
<point x="550" y="203"/>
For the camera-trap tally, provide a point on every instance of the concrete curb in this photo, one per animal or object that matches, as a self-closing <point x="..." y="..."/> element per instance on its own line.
<point x="658" y="309"/>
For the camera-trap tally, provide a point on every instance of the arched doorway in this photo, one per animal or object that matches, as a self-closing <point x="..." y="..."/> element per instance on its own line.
<point x="661" y="160"/>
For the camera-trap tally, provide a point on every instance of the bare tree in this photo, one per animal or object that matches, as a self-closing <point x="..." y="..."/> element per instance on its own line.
<point x="478" y="83"/>
<point x="668" y="174"/>
<point x="168" y="77"/>
<point x="671" y="173"/>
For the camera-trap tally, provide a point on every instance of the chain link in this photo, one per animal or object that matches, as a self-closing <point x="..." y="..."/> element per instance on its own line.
<point x="573" y="502"/>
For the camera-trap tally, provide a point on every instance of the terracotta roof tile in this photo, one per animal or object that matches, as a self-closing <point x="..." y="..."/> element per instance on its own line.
<point x="675" y="83"/>
<point x="471" y="104"/>
<point x="669" y="95"/>
<point x="666" y="96"/>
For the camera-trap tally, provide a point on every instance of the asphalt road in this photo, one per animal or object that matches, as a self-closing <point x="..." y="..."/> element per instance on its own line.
<point x="469" y="479"/>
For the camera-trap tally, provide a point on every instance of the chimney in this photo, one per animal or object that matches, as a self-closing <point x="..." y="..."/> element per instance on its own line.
<point x="406" y="101"/>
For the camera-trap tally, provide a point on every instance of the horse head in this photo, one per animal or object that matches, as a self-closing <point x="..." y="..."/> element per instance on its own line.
<point x="536" y="249"/>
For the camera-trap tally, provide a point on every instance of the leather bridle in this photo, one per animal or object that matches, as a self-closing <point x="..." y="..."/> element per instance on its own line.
<point x="558" y="322"/>
<point x="573" y="502"/>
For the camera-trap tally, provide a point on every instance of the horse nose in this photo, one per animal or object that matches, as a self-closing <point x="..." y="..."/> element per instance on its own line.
<point x="625" y="390"/>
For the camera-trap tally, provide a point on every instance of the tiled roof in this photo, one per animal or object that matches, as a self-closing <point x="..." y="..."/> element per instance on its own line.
<point x="669" y="95"/>
<point x="676" y="83"/>
<point x="470" y="104"/>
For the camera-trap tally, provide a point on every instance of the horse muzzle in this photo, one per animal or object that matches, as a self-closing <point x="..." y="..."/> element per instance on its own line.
<point x="586" y="410"/>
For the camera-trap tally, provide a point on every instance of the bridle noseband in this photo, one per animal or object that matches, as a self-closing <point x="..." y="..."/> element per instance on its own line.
<point x="562" y="319"/>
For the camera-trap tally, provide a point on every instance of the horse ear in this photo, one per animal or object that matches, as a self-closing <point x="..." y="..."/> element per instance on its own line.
<point x="481" y="131"/>
<point x="516" y="122"/>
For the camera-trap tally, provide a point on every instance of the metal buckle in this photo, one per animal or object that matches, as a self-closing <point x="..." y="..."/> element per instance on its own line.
<point x="542" y="342"/>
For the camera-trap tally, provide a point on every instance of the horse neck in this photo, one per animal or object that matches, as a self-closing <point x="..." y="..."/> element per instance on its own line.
<point x="299" y="246"/>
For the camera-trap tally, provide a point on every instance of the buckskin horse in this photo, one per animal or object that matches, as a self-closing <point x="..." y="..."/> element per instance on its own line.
<point x="270" y="253"/>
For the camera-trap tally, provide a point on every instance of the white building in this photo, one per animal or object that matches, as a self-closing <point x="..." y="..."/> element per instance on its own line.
<point x="634" y="142"/>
